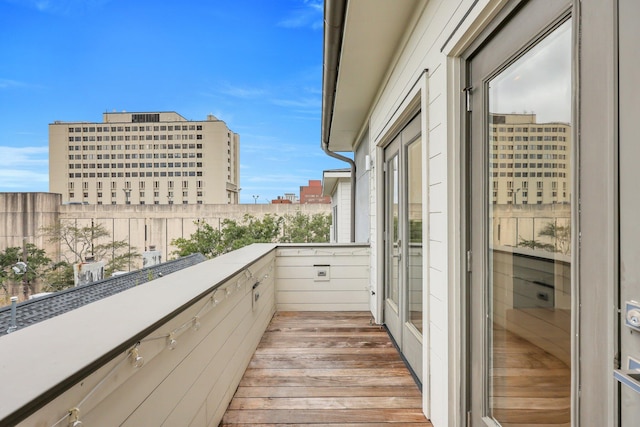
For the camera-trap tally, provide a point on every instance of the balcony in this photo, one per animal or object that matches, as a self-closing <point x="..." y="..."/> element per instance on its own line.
<point x="176" y="350"/>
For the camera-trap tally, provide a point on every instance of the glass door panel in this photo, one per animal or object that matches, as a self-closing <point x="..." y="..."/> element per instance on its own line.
<point x="395" y="248"/>
<point x="393" y="242"/>
<point x="529" y="212"/>
<point x="520" y="219"/>
<point x="414" y="234"/>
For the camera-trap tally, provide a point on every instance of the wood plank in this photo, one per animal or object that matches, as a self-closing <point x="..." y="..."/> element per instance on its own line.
<point x="322" y="363"/>
<point x="306" y="416"/>
<point x="327" y="391"/>
<point x="327" y="381"/>
<point x="363" y="424"/>
<point x="393" y="372"/>
<point x="333" y="402"/>
<point x="335" y="351"/>
<point x="326" y="368"/>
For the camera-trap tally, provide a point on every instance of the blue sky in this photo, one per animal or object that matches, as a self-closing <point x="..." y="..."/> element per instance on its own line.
<point x="256" y="64"/>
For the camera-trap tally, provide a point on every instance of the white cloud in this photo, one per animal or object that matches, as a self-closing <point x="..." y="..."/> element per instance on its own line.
<point x="314" y="103"/>
<point x="60" y="7"/>
<point x="245" y="92"/>
<point x="308" y="15"/>
<point x="8" y="83"/>
<point x="538" y="82"/>
<point x="275" y="178"/>
<point x="24" y="168"/>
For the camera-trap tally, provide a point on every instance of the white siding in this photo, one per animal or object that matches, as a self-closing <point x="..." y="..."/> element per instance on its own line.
<point x="345" y="287"/>
<point x="343" y="195"/>
<point x="363" y="178"/>
<point x="423" y="51"/>
<point x="189" y="385"/>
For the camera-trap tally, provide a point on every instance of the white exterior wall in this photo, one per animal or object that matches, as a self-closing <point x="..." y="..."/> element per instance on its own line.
<point x="405" y="81"/>
<point x="342" y="198"/>
<point x="329" y="278"/>
<point x="363" y="179"/>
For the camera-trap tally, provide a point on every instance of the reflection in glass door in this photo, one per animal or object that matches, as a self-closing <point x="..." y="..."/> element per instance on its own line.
<point x="521" y="155"/>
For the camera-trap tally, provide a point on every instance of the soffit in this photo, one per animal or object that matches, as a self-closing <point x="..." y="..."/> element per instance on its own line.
<point x="331" y="178"/>
<point x="372" y="33"/>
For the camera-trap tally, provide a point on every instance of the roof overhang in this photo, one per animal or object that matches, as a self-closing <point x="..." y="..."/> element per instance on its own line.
<point x="330" y="179"/>
<point x="361" y="39"/>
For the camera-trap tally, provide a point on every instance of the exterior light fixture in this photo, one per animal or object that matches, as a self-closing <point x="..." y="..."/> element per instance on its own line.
<point x="74" y="417"/>
<point x="136" y="360"/>
<point x="171" y="341"/>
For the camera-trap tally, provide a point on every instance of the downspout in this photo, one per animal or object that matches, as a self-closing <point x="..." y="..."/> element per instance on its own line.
<point x="334" y="11"/>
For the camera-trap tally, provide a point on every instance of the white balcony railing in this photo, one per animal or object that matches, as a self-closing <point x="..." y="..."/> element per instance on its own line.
<point x="172" y="351"/>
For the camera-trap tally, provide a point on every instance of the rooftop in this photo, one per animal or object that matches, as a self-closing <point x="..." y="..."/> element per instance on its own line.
<point x="48" y="306"/>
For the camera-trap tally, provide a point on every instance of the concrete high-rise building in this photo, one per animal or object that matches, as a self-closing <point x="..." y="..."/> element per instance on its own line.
<point x="144" y="158"/>
<point x="529" y="161"/>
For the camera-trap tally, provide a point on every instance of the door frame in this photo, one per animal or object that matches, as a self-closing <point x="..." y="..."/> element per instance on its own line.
<point x="408" y="339"/>
<point x="477" y="262"/>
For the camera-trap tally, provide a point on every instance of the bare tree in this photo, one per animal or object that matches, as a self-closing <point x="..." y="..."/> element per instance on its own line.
<point x="78" y="243"/>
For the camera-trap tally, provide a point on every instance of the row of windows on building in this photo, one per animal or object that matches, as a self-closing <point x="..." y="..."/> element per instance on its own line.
<point x="135" y="165"/>
<point x="141" y="193"/>
<point x="529" y="174"/>
<point x="527" y="138"/>
<point x="176" y="137"/>
<point x="523" y="191"/>
<point x="141" y="185"/>
<point x="136" y="156"/>
<point x="526" y="202"/>
<point x="525" y="184"/>
<point x="528" y="165"/>
<point x="531" y="147"/>
<point x="528" y="129"/>
<point x="133" y="174"/>
<point x="530" y="156"/>
<point x="120" y="147"/>
<point x="526" y="194"/>
<point x="133" y="128"/>
<point x="142" y="202"/>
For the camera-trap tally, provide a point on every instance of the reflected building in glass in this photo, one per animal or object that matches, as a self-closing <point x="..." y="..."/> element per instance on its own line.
<point x="530" y="160"/>
<point x="528" y="201"/>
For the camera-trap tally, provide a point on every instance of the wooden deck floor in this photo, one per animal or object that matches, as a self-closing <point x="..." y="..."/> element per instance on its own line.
<point x="325" y="368"/>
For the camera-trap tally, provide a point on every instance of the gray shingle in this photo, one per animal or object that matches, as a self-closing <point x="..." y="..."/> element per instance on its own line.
<point x="48" y="306"/>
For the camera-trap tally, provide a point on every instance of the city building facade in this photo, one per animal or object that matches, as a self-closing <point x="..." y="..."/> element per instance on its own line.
<point x="312" y="193"/>
<point x="144" y="158"/>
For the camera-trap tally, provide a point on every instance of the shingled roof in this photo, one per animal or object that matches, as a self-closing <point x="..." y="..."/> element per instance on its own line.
<point x="48" y="306"/>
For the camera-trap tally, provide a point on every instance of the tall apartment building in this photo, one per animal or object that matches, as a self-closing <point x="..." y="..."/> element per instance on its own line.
<point x="144" y="158"/>
<point x="529" y="161"/>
